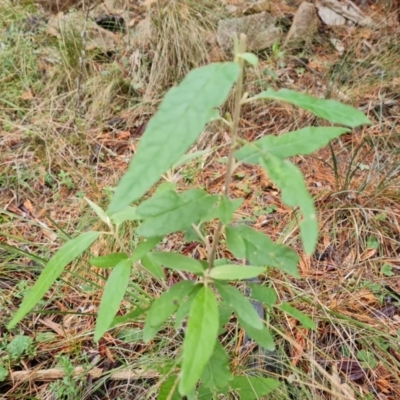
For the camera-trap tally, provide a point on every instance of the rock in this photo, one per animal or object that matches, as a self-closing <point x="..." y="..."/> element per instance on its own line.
<point x="34" y="24"/>
<point x="111" y="22"/>
<point x="348" y="10"/>
<point x="76" y="23"/>
<point x="259" y="28"/>
<point x="304" y="26"/>
<point x="56" y="6"/>
<point x="257" y="7"/>
<point x="330" y="17"/>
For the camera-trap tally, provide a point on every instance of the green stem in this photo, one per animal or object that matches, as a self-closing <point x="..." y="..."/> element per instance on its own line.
<point x="239" y="49"/>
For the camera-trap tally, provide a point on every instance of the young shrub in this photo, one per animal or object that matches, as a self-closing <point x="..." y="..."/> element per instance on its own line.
<point x="181" y="118"/>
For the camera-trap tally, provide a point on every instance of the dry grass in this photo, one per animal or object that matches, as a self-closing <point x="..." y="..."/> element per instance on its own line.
<point x="182" y="39"/>
<point x="56" y="146"/>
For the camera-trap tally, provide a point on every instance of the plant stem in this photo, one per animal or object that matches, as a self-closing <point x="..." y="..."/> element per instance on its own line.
<point x="239" y="49"/>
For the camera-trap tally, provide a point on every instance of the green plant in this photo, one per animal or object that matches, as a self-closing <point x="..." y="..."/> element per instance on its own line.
<point x="65" y="179"/>
<point x="209" y="299"/>
<point x="11" y="353"/>
<point x="68" y="387"/>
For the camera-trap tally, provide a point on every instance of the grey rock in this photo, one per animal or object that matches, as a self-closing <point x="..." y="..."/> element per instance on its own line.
<point x="259" y="28"/>
<point x="304" y="26"/>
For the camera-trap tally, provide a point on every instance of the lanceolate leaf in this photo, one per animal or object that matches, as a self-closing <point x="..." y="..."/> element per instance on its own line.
<point x="169" y="389"/>
<point x="108" y="261"/>
<point x="301" y="142"/>
<point x="163" y="307"/>
<point x="177" y="262"/>
<point x="144" y="247"/>
<point x="200" y="339"/>
<point x="131" y="316"/>
<point x="262" y="336"/>
<point x="294" y="193"/>
<point x="185" y="159"/>
<point x="152" y="266"/>
<point x="99" y="212"/>
<point x="253" y="387"/>
<point x="216" y="374"/>
<point x="306" y="321"/>
<point x="227" y="207"/>
<point x="114" y="292"/>
<point x="331" y="110"/>
<point x="72" y="249"/>
<point x="265" y="295"/>
<point x="235" y="272"/>
<point x="240" y="304"/>
<point x="258" y="249"/>
<point x="169" y="212"/>
<point x="185" y="306"/>
<point x="127" y="214"/>
<point x="181" y="118"/>
<point x="250" y="58"/>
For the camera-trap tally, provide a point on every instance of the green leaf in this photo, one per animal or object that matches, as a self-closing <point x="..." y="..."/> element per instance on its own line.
<point x="185" y="306"/>
<point x="262" y="336"/>
<point x="191" y="235"/>
<point x="306" y="321"/>
<point x="216" y="374"/>
<point x="144" y="247"/>
<point x="113" y="294"/>
<point x="253" y="387"/>
<point x="153" y="267"/>
<point x="177" y="262"/>
<point x="387" y="270"/>
<point x="165" y="187"/>
<point x="265" y="295"/>
<point x="3" y="373"/>
<point x="367" y="358"/>
<point x="301" y="142"/>
<point x="131" y="316"/>
<point x="250" y="58"/>
<point x="204" y="393"/>
<point x="200" y="339"/>
<point x="258" y="249"/>
<point x="72" y="249"/>
<point x="99" y="212"/>
<point x="232" y="272"/>
<point x="227" y="207"/>
<point x="181" y="118"/>
<point x="108" y="261"/>
<point x="240" y="304"/>
<point x="294" y="193"/>
<point x="169" y="212"/>
<point x="331" y="110"/>
<point x="127" y="214"/>
<point x="130" y="335"/>
<point x="163" y="307"/>
<point x="225" y="313"/>
<point x="18" y="346"/>
<point x="186" y="158"/>
<point x="169" y="389"/>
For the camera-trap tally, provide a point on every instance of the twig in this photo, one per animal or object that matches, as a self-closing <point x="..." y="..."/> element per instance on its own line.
<point x="49" y="375"/>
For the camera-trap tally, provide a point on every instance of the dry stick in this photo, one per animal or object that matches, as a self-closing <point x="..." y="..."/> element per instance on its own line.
<point x="241" y="48"/>
<point x="52" y="374"/>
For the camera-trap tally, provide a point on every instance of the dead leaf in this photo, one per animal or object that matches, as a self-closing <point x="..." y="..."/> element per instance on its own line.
<point x="27" y="95"/>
